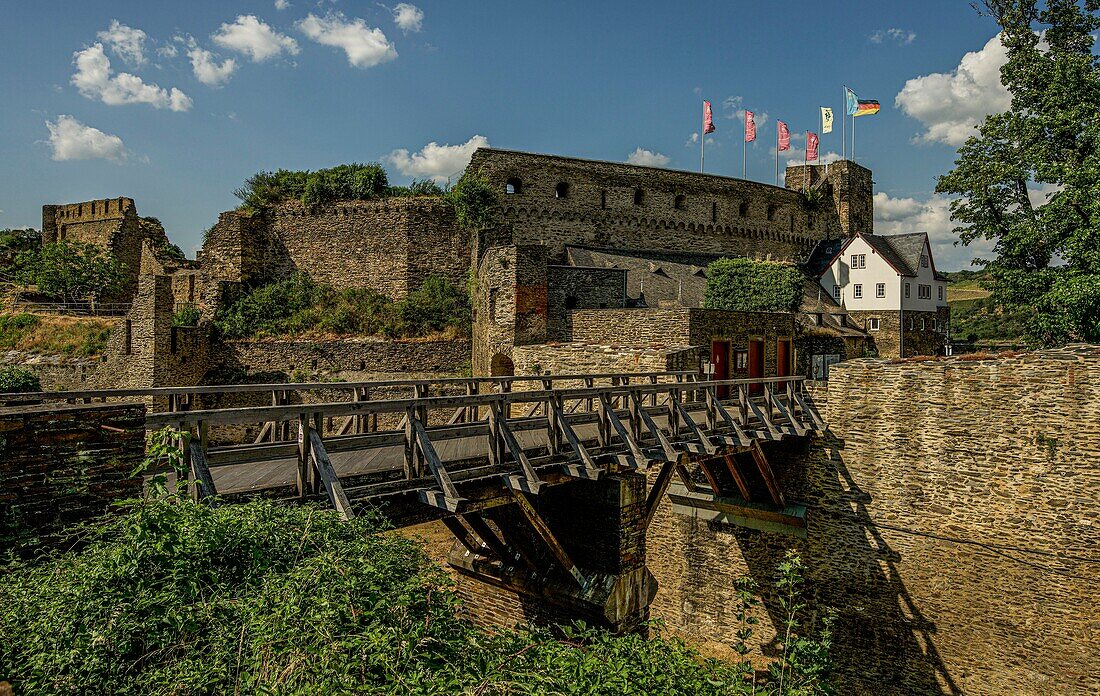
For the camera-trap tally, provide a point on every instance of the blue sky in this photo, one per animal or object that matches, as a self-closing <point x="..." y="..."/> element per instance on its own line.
<point x="139" y="99"/>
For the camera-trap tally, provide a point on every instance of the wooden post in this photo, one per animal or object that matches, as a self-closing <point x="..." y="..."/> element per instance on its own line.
<point x="410" y="444"/>
<point x="303" y="455"/>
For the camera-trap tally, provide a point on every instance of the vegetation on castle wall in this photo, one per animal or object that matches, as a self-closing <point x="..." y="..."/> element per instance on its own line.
<point x="16" y="380"/>
<point x="475" y="202"/>
<point x="744" y="285"/>
<point x="298" y="306"/>
<point x="354" y="182"/>
<point x="71" y="271"/>
<point x="179" y="598"/>
<point x="54" y="335"/>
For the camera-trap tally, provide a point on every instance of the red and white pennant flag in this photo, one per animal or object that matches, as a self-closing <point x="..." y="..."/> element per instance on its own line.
<point x="750" y="127"/>
<point x="811" y="146"/>
<point x="708" y="118"/>
<point x="783" y="136"/>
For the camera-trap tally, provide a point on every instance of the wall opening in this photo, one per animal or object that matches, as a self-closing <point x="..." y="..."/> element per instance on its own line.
<point x="561" y="190"/>
<point x="743" y="209"/>
<point x="571" y="302"/>
<point x="603" y="198"/>
<point x="639" y="196"/>
<point x="501" y="366"/>
<point x="714" y="212"/>
<point x="771" y="212"/>
<point x="513" y="186"/>
<point x="679" y="202"/>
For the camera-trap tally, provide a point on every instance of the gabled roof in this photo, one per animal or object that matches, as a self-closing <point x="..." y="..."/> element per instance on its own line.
<point x="822" y="255"/>
<point x="901" y="251"/>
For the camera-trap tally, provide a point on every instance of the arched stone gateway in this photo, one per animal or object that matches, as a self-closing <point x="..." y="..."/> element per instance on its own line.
<point x="501" y="366"/>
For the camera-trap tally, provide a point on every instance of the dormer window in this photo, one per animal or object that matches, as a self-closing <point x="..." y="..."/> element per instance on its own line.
<point x="561" y="190"/>
<point x="513" y="186"/>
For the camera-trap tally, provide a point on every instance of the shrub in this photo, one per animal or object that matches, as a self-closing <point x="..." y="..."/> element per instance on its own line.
<point x="744" y="285"/>
<point x="436" y="306"/>
<point x="179" y="598"/>
<point x="18" y="380"/>
<point x="71" y="271"/>
<point x="344" y="182"/>
<point x="475" y="202"/>
<point x="188" y="315"/>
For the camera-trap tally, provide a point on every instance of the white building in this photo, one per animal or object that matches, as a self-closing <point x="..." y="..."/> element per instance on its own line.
<point x="890" y="287"/>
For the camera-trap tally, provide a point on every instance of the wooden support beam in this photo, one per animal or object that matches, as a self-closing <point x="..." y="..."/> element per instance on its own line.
<point x="738" y="479"/>
<point x="712" y="480"/>
<point x="510" y="441"/>
<point x="204" y="490"/>
<point x="784" y="412"/>
<point x="766" y="473"/>
<point x="303" y="455"/>
<point x="489" y="538"/>
<point x="664" y="477"/>
<point x="328" y="477"/>
<point x="658" y="434"/>
<point x="762" y="414"/>
<point x="571" y="437"/>
<point x="708" y="445"/>
<point x="622" y="432"/>
<point x="463" y="534"/>
<point x="542" y="530"/>
<point x="810" y="409"/>
<point x="442" y="478"/>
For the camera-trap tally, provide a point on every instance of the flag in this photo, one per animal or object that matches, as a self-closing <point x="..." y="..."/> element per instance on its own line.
<point x="867" y="107"/>
<point x="811" y="146"/>
<point x="750" y="127"/>
<point x="708" y="118"/>
<point x="783" y="136"/>
<point x="826" y="120"/>
<point x="852" y="101"/>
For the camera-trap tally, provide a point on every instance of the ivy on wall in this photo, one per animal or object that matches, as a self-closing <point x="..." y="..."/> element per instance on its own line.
<point x="745" y="285"/>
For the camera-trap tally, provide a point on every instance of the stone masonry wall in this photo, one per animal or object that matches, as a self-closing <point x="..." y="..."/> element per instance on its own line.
<point x="341" y="357"/>
<point x="952" y="525"/>
<point x="675" y="210"/>
<point x="572" y="287"/>
<point x="61" y="464"/>
<point x="894" y="330"/>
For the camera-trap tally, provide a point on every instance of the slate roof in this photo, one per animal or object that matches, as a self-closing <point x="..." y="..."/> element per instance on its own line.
<point x="822" y="255"/>
<point x="901" y="251"/>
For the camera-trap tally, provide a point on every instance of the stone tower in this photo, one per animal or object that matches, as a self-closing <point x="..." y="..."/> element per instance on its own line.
<point x="848" y="184"/>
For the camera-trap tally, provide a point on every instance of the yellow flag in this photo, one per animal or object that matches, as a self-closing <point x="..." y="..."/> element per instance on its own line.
<point x="826" y="120"/>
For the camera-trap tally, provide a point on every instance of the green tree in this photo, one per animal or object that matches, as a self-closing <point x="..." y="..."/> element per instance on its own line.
<point x="71" y="271"/>
<point x="475" y="202"/>
<point x="1047" y="252"/>
<point x="17" y="380"/>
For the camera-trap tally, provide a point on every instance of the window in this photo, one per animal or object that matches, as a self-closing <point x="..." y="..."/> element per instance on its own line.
<point x="939" y="290"/>
<point x="857" y="291"/>
<point x="859" y="261"/>
<point x="743" y="209"/>
<point x="603" y="199"/>
<point x="740" y="359"/>
<point x="771" y="212"/>
<point x="924" y="260"/>
<point x="679" y="202"/>
<point x="934" y="324"/>
<point x="922" y="326"/>
<point x="513" y="186"/>
<point x="924" y="292"/>
<point x="872" y="324"/>
<point x="908" y="287"/>
<point x="561" y="190"/>
<point x="570" y="302"/>
<point x="639" y="197"/>
<point x="880" y="289"/>
<point x="836" y="292"/>
<point x="714" y="212"/>
<point x="910" y="323"/>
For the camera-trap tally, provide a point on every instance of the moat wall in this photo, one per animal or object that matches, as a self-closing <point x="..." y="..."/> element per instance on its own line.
<point x="950" y="515"/>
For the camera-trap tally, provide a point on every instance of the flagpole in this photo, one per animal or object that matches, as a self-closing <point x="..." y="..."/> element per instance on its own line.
<point x="844" y="126"/>
<point x="777" y="152"/>
<point x="854" y="134"/>
<point x="745" y="150"/>
<point x="702" y="136"/>
<point x="806" y="164"/>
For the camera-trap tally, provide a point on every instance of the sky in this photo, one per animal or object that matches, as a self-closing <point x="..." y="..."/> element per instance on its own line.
<point x="175" y="104"/>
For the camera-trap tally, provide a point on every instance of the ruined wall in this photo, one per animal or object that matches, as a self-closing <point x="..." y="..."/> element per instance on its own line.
<point x="61" y="464"/>
<point x="509" y="304"/>
<point x="846" y="189"/>
<point x="573" y="287"/>
<point x="601" y="206"/>
<point x="951" y="525"/>
<point x="306" y="357"/>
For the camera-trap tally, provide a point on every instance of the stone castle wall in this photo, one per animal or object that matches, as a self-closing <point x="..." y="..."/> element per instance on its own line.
<point x="911" y="331"/>
<point x="347" y="357"/>
<point x="572" y="287"/>
<point x="561" y="200"/>
<point x="952" y="525"/>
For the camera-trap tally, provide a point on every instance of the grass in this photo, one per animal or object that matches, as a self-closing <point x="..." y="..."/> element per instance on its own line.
<point x="54" y="335"/>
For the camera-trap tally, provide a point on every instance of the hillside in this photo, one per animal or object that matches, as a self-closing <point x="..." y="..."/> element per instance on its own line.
<point x="974" y="315"/>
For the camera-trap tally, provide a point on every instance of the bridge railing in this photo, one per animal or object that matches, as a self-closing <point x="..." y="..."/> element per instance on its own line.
<point x="634" y="417"/>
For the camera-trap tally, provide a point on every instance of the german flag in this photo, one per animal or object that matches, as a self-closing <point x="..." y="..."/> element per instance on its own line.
<point x="866" y="107"/>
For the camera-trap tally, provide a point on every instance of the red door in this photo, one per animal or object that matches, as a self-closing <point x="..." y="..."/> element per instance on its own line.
<point x="783" y="357"/>
<point x="756" y="364"/>
<point x="720" y="359"/>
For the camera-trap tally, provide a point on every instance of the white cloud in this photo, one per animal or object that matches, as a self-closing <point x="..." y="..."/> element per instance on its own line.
<point x="168" y="51"/>
<point x="281" y="4"/>
<point x="796" y="157"/>
<point x="902" y="37"/>
<point x="648" y="158"/>
<point x="125" y="42"/>
<point x="408" y="17"/>
<point x="254" y="38"/>
<point x="933" y="217"/>
<point x="693" y="139"/>
<point x="206" y="68"/>
<point x="949" y="105"/>
<point x="733" y="108"/>
<point x="72" y="140"/>
<point x="365" y="46"/>
<point x="94" y="79"/>
<point x="437" y="162"/>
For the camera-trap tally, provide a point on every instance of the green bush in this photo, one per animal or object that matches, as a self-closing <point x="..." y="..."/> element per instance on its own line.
<point x="188" y="315"/>
<point x="71" y="271"/>
<point x="179" y="598"/>
<point x="744" y="285"/>
<point x="344" y="182"/>
<point x="18" y="380"/>
<point x="475" y="202"/>
<point x="297" y="306"/>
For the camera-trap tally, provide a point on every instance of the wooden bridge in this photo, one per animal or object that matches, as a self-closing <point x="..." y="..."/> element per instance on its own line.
<point x="463" y="449"/>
